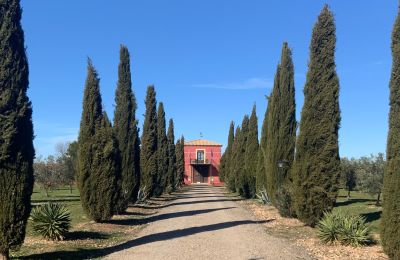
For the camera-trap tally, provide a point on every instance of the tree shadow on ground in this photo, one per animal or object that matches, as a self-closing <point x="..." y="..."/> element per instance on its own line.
<point x="163" y="216"/>
<point x="81" y="253"/>
<point x="372" y="216"/>
<point x="195" y="197"/>
<point x="186" y="203"/>
<point x="56" y="200"/>
<point x="352" y="201"/>
<point x="83" y="235"/>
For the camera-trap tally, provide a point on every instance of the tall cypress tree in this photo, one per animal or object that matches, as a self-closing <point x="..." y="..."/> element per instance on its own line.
<point x="251" y="155"/>
<point x="233" y="172"/>
<point x="148" y="152"/>
<point x="172" y="173"/>
<point x="391" y="192"/>
<point x="281" y="134"/>
<point x="16" y="130"/>
<point x="317" y="163"/>
<point x="162" y="152"/>
<point x="180" y="161"/>
<point x="226" y="157"/>
<point x="98" y="155"/>
<point x="240" y="158"/>
<point x="125" y="128"/>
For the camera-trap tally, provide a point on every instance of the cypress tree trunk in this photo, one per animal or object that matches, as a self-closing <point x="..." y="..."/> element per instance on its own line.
<point x="172" y="180"/>
<point x="317" y="164"/>
<point x="16" y="130"/>
<point x="98" y="155"/>
<point x="232" y="177"/>
<point x="180" y="161"/>
<point x="162" y="151"/>
<point x="391" y="191"/>
<point x="226" y="157"/>
<point x="240" y="158"/>
<point x="251" y="155"/>
<point x="281" y="134"/>
<point x="148" y="153"/>
<point x="125" y="129"/>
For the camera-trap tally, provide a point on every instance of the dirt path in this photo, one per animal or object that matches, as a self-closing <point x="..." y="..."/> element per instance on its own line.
<point x="203" y="223"/>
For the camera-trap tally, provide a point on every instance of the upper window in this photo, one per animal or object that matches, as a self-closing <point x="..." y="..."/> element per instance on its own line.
<point x="200" y="155"/>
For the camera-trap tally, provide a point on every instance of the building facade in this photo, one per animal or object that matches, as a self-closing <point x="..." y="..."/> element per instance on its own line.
<point x="202" y="159"/>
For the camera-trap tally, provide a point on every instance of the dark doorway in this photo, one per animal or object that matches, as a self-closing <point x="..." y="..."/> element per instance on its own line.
<point x="200" y="173"/>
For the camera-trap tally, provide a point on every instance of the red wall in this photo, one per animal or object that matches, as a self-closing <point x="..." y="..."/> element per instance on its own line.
<point x="212" y="153"/>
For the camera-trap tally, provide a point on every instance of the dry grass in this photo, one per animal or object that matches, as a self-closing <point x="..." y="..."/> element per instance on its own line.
<point x="305" y="237"/>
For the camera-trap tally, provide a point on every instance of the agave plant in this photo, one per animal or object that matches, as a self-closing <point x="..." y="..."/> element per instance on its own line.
<point x="51" y="220"/>
<point x="142" y="196"/>
<point x="329" y="227"/>
<point x="263" y="197"/>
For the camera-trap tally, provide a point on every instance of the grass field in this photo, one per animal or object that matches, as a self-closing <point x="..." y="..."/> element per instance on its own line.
<point x="363" y="204"/>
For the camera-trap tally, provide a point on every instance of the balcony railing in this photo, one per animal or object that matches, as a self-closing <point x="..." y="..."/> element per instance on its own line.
<point x="205" y="161"/>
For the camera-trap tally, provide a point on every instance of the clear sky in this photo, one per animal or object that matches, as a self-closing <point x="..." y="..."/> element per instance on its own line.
<point x="210" y="61"/>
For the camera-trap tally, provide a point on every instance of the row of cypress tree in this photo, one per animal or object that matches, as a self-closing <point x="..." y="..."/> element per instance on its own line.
<point x="302" y="183"/>
<point x="113" y="161"/>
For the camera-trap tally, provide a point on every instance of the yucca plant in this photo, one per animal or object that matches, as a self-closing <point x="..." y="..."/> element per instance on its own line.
<point x="143" y="195"/>
<point x="345" y="228"/>
<point x="263" y="197"/>
<point x="51" y="220"/>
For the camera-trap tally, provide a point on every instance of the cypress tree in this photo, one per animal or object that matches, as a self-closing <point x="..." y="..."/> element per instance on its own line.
<point x="180" y="161"/>
<point x="251" y="155"/>
<point x="226" y="157"/>
<point x="162" y="152"/>
<point x="317" y="163"/>
<point x="148" y="152"/>
<point x="239" y="164"/>
<point x="125" y="129"/>
<point x="281" y="134"/>
<point x="391" y="185"/>
<point x="233" y="172"/>
<point x="16" y="130"/>
<point x="172" y="173"/>
<point x="98" y="155"/>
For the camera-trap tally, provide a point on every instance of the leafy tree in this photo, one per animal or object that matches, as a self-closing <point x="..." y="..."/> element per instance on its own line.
<point x="391" y="192"/>
<point x="317" y="162"/>
<point x="98" y="155"/>
<point x="348" y="176"/>
<point x="126" y="132"/>
<point x="172" y="178"/>
<point x="148" y="153"/>
<point x="251" y="155"/>
<point x="162" y="152"/>
<point x="47" y="173"/>
<point x="281" y="131"/>
<point x="225" y="162"/>
<point x="67" y="156"/>
<point x="370" y="171"/>
<point x="16" y="130"/>
<point x="180" y="161"/>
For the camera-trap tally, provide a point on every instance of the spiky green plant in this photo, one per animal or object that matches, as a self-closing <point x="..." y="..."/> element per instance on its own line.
<point x="52" y="221"/>
<point x="262" y="197"/>
<point x="345" y="228"/>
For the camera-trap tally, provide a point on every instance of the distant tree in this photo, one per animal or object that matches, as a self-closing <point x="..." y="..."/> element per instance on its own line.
<point x="348" y="176"/>
<point x="162" y="152"/>
<point x="67" y="162"/>
<point x="317" y="162"/>
<point x="16" y="130"/>
<point x="391" y="191"/>
<point x="281" y="133"/>
<point x="370" y="171"/>
<point x="47" y="173"/>
<point x="98" y="155"/>
<point x="172" y="177"/>
<point x="232" y="177"/>
<point x="224" y="167"/>
<point x="251" y="155"/>
<point x="148" y="153"/>
<point x="126" y="132"/>
<point x="239" y="160"/>
<point x="180" y="161"/>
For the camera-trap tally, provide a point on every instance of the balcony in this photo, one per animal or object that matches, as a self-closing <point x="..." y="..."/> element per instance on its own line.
<point x="197" y="162"/>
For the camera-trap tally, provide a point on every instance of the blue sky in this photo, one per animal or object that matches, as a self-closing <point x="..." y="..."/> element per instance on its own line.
<point x="210" y="61"/>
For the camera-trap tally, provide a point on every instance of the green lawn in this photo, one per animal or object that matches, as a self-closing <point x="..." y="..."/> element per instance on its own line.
<point x="363" y="204"/>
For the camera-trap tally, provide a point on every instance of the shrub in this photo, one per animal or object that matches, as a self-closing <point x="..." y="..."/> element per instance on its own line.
<point x="344" y="228"/>
<point x="263" y="197"/>
<point x="52" y="221"/>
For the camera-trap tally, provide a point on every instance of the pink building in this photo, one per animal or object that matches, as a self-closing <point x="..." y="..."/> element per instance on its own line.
<point x="202" y="160"/>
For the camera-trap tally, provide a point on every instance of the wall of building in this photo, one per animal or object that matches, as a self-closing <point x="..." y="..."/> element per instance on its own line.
<point x="212" y="153"/>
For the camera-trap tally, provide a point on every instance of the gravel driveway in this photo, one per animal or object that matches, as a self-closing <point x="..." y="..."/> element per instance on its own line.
<point x="204" y="223"/>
